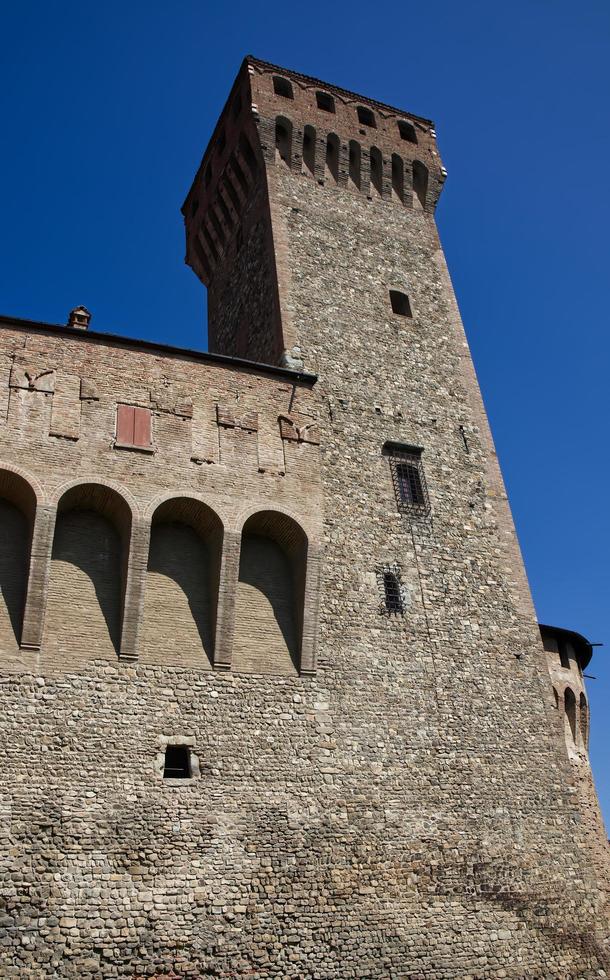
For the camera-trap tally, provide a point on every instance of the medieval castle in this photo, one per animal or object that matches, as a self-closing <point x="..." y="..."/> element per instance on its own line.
<point x="275" y="700"/>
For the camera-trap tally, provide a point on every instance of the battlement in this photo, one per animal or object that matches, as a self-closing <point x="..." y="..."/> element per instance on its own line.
<point x="321" y="131"/>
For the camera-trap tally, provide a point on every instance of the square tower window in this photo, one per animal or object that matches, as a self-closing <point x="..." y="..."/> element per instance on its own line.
<point x="366" y="116"/>
<point x="401" y="305"/>
<point x="133" y="427"/>
<point x="407" y="131"/>
<point x="177" y="762"/>
<point x="325" y="101"/>
<point x="408" y="478"/>
<point x="281" y="86"/>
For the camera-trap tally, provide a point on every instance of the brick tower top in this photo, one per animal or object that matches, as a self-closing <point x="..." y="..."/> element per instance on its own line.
<point x="322" y="135"/>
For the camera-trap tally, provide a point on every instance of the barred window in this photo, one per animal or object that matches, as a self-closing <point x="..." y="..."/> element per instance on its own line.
<point x="391" y="590"/>
<point x="408" y="478"/>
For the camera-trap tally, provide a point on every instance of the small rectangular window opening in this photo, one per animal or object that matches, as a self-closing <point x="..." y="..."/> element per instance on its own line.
<point x="281" y="86"/>
<point x="408" y="479"/>
<point x="391" y="590"/>
<point x="177" y="762"/>
<point x="325" y="101"/>
<point x="401" y="305"/>
<point x="366" y="116"/>
<point x="564" y="658"/>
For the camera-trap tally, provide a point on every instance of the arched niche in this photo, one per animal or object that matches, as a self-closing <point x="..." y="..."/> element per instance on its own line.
<point x="88" y="576"/>
<point x="270" y="595"/>
<point x="569" y="701"/>
<point x="420" y="184"/>
<point x="181" y="596"/>
<point x="283" y="139"/>
<point x="17" y="515"/>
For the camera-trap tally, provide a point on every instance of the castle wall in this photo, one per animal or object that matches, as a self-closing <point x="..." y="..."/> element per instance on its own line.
<point x="400" y="804"/>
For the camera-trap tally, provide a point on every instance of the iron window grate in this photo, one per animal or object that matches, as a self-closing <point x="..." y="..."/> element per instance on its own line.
<point x="409" y="482"/>
<point x="391" y="591"/>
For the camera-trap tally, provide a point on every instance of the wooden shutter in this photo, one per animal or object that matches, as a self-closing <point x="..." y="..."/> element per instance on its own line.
<point x="142" y="428"/>
<point x="125" y="418"/>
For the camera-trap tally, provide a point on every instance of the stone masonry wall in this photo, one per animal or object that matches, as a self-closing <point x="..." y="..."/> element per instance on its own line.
<point x="403" y="807"/>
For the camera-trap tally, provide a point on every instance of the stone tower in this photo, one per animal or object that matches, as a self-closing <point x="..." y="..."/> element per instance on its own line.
<point x="274" y="699"/>
<point x="311" y="222"/>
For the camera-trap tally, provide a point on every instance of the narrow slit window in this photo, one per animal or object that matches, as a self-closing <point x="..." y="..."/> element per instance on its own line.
<point x="401" y="304"/>
<point x="283" y="140"/>
<point x="177" y="762"/>
<point x="564" y="657"/>
<point x="309" y="149"/>
<point x="281" y="86"/>
<point x="366" y="116"/>
<point x="332" y="156"/>
<point x="354" y="163"/>
<point x="325" y="101"/>
<point x="376" y="170"/>
<point x="570" y="709"/>
<point x="407" y="131"/>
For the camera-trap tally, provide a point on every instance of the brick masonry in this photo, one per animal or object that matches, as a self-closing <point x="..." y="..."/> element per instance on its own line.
<point x="372" y="796"/>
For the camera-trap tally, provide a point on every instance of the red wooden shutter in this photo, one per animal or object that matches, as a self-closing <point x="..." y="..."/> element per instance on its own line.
<point x="125" y="424"/>
<point x="142" y="433"/>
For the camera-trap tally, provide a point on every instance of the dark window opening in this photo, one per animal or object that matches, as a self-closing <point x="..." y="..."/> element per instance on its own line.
<point x="564" y="658"/>
<point x="570" y="708"/>
<point x="420" y="182"/>
<point x="283" y="140"/>
<point x="309" y="149"/>
<point x="392" y="593"/>
<point x="400" y="303"/>
<point x="177" y="762"/>
<point x="377" y="170"/>
<point x="354" y="163"/>
<point x="407" y="131"/>
<point x="584" y="721"/>
<point x="408" y="478"/>
<point x="398" y="178"/>
<point x="325" y="101"/>
<point x="332" y="155"/>
<point x="281" y="86"/>
<point x="366" y="116"/>
<point x="409" y="484"/>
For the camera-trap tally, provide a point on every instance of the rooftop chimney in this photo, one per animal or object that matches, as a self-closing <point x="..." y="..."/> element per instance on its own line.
<point x="79" y="317"/>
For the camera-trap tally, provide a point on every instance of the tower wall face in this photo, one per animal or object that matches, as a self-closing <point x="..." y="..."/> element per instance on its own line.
<point x="376" y="792"/>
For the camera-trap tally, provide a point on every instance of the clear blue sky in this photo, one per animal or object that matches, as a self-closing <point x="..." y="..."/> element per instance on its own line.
<point x="106" y="110"/>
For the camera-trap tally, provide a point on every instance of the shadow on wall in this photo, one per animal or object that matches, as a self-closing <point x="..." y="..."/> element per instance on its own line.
<point x="14" y="550"/>
<point x="178" y="625"/>
<point x="265" y="630"/>
<point x="84" y="605"/>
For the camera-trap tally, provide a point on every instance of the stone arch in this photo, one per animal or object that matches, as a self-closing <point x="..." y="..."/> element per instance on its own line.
<point x="569" y="701"/>
<point x="270" y="597"/>
<point x="19" y="498"/>
<point x="182" y="582"/>
<point x="88" y="573"/>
